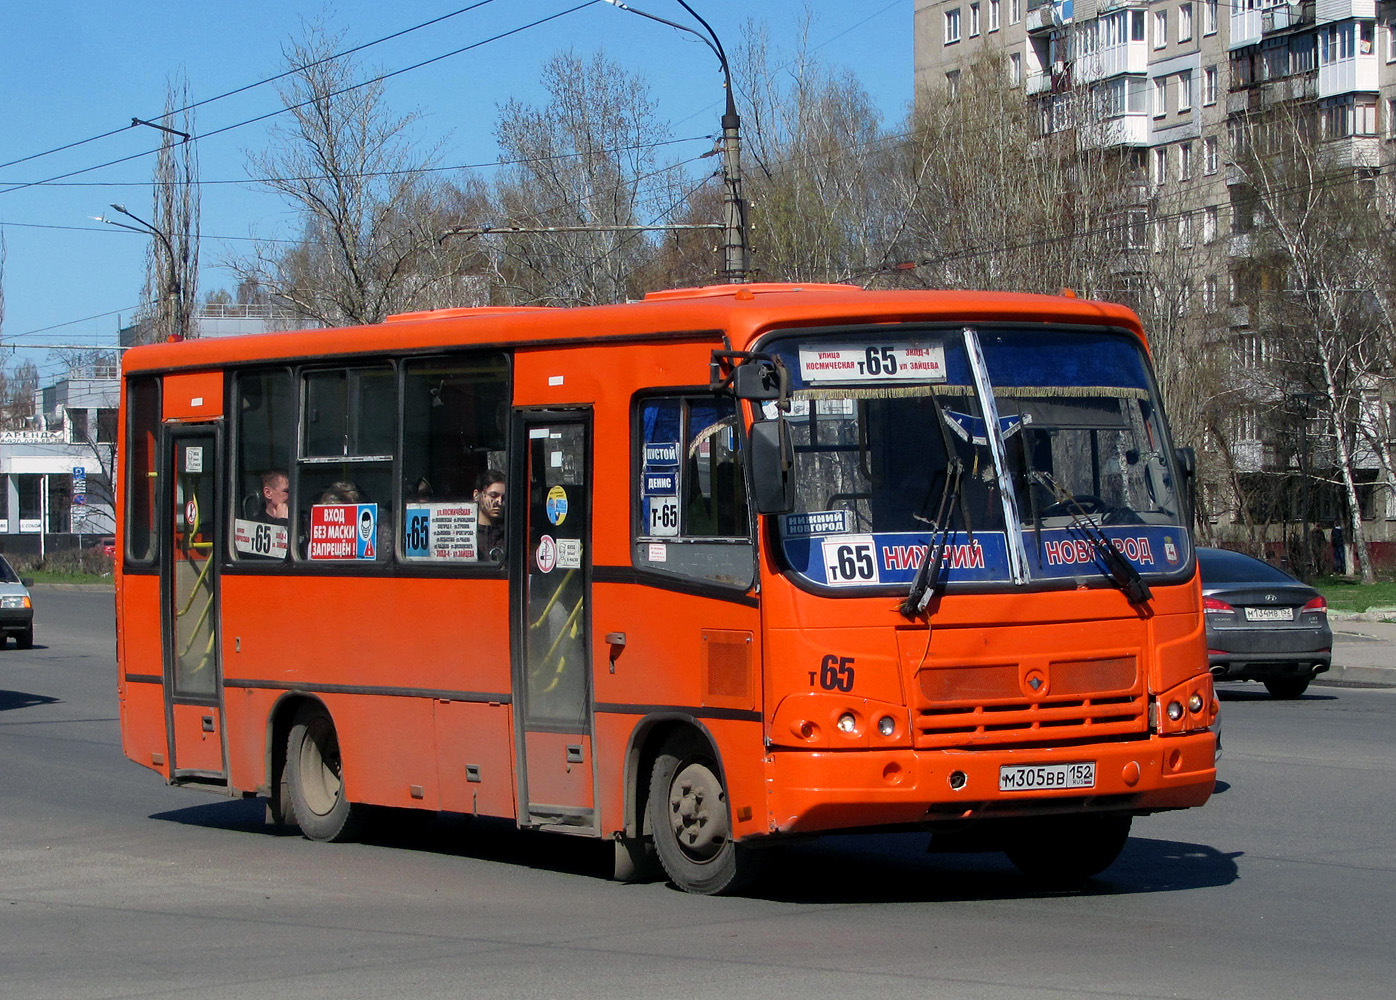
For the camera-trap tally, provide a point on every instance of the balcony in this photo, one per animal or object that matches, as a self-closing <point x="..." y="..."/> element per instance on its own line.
<point x="1041" y="18"/>
<point x="1239" y="245"/>
<point x="1353" y="151"/>
<point x="1037" y="83"/>
<point x="1327" y="11"/>
<point x="1349" y="76"/>
<point x="1123" y="130"/>
<point x="1238" y="317"/>
<point x="1131" y="57"/>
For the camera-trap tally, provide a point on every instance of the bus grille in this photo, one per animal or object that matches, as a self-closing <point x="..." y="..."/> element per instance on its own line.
<point x="994" y="704"/>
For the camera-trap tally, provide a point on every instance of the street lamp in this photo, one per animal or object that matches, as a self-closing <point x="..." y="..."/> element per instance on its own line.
<point x="735" y="255"/>
<point x="175" y="290"/>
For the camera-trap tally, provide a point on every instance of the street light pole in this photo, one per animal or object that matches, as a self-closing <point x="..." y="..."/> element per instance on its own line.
<point x="176" y="292"/>
<point x="736" y="255"/>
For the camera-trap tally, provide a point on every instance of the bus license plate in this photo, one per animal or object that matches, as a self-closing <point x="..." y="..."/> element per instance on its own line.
<point x="1032" y="777"/>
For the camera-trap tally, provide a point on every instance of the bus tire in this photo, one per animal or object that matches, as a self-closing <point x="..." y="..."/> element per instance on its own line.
<point x="1064" y="851"/>
<point x="315" y="778"/>
<point x="691" y="820"/>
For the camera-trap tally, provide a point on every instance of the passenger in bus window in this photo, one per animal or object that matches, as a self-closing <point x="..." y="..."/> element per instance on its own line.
<point x="489" y="517"/>
<point x="340" y="492"/>
<point x="276" y="492"/>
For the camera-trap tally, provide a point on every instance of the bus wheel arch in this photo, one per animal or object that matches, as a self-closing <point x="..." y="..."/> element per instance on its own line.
<point x="689" y="813"/>
<point x="314" y="778"/>
<point x="283" y="713"/>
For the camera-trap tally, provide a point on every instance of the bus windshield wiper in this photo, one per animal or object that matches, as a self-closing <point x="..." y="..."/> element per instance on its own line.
<point x="923" y="583"/>
<point x="1116" y="568"/>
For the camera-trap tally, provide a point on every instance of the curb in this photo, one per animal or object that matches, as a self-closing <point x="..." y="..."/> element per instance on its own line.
<point x="80" y="587"/>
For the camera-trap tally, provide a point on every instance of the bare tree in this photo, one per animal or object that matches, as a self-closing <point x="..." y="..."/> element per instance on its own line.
<point x="822" y="190"/>
<point x="588" y="159"/>
<point x="368" y="214"/>
<point x="1317" y="276"/>
<point x="172" y="260"/>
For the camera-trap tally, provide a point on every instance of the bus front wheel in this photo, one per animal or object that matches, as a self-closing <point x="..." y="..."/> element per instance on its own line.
<point x="315" y="778"/>
<point x="1063" y="851"/>
<point x="691" y="822"/>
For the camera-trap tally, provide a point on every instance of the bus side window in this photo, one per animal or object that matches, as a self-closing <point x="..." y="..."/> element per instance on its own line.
<point x="142" y="454"/>
<point x="266" y="429"/>
<point x="455" y="413"/>
<point x="344" y="487"/>
<point x="693" y="517"/>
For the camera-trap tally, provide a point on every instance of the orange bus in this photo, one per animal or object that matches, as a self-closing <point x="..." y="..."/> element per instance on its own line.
<point x="693" y="574"/>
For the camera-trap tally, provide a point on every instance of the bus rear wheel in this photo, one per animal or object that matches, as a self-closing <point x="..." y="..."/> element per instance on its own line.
<point x="691" y="822"/>
<point x="315" y="778"/>
<point x="1063" y="851"/>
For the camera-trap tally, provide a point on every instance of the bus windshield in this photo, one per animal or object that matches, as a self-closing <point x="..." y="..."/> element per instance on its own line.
<point x="1011" y="454"/>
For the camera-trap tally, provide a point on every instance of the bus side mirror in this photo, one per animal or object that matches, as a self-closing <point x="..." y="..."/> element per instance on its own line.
<point x="757" y="380"/>
<point x="1187" y="465"/>
<point x="772" y="467"/>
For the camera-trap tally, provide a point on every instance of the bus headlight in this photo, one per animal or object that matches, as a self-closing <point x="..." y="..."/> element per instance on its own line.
<point x="1175" y="710"/>
<point x="886" y="725"/>
<point x="847" y="723"/>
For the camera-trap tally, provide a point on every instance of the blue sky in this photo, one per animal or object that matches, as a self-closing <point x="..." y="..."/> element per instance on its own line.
<point x="73" y="70"/>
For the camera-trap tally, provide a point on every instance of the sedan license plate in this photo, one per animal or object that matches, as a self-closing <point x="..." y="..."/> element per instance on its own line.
<point x="1269" y="614"/>
<point x="1033" y="777"/>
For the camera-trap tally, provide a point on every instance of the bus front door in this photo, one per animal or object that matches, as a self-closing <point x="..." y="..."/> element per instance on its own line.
<point x="189" y="592"/>
<point x="551" y="576"/>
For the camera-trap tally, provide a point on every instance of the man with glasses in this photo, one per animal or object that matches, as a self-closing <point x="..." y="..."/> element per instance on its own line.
<point x="489" y="517"/>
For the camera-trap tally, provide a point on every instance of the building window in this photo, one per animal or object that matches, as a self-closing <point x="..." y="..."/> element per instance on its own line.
<point x="993" y="15"/>
<point x="1391" y="42"/>
<point x="1015" y="11"/>
<point x="1185" y="91"/>
<point x="1015" y="69"/>
<point x="974" y="20"/>
<point x="1209" y="17"/>
<point x="1209" y="292"/>
<point x="1185" y="22"/>
<point x="106" y="425"/>
<point x="1184" y="161"/>
<point x="1160" y="97"/>
<point x="1349" y="116"/>
<point x="1185" y="229"/>
<point x="952" y="84"/>
<point x="1137" y="229"/>
<point x="77" y="426"/>
<point x="1209" y="223"/>
<point x="1209" y="155"/>
<point x="1161" y="165"/>
<point x="1209" y="85"/>
<point x="1160" y="28"/>
<point x="952" y="26"/>
<point x="1391" y="118"/>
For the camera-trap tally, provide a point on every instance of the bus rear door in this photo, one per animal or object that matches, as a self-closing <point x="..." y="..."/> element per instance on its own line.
<point x="189" y="615"/>
<point x="551" y="575"/>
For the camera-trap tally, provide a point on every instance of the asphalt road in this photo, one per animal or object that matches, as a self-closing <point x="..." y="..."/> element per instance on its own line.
<point x="113" y="885"/>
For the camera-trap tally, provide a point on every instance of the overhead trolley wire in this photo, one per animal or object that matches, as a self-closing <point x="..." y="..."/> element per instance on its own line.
<point x="252" y="86"/>
<point x="344" y="90"/>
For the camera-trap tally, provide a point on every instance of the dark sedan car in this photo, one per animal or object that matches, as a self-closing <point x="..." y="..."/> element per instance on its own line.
<point x="1262" y="623"/>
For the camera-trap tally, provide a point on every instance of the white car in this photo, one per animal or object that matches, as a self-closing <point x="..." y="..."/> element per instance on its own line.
<point x="16" y="607"/>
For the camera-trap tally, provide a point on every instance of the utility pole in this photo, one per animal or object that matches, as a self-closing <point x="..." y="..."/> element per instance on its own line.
<point x="174" y="292"/>
<point x="736" y="255"/>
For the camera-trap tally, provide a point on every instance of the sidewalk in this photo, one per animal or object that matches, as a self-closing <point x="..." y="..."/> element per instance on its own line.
<point x="1364" y="648"/>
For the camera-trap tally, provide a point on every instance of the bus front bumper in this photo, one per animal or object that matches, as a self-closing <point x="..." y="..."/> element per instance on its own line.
<point x="814" y="791"/>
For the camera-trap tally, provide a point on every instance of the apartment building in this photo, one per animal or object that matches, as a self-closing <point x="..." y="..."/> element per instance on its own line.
<point x="1172" y="85"/>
